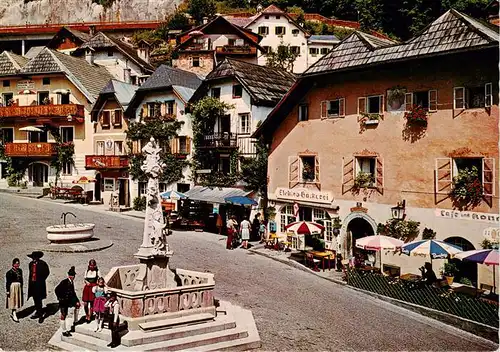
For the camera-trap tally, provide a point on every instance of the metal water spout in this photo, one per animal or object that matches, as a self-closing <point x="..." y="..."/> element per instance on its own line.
<point x="63" y="216"/>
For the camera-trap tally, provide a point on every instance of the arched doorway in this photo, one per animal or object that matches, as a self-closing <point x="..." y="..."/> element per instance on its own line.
<point x="97" y="187"/>
<point x="38" y="173"/>
<point x="357" y="228"/>
<point x="466" y="269"/>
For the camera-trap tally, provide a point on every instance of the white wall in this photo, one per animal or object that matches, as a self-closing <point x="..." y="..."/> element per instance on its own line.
<point x="116" y="64"/>
<point x="312" y="59"/>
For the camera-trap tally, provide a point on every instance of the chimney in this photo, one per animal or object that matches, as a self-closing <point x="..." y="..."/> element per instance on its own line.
<point x="259" y="8"/>
<point x="91" y="30"/>
<point x="89" y="56"/>
<point x="126" y="75"/>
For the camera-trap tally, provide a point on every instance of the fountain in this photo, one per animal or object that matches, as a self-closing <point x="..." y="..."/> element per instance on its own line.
<point x="69" y="232"/>
<point x="165" y="309"/>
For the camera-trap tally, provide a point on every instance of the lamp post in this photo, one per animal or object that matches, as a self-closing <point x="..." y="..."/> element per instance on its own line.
<point x="398" y="212"/>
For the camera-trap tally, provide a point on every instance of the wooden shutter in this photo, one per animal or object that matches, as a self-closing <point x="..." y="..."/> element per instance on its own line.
<point x="488" y="95"/>
<point x="443" y="175"/>
<point x="408" y="101"/>
<point x="293" y="171"/>
<point x="341" y="107"/>
<point x="433" y="97"/>
<point x="347" y="174"/>
<point x="316" y="169"/>
<point x="174" y="145"/>
<point x="381" y="104"/>
<point x="379" y="175"/>
<point x="459" y="98"/>
<point x="188" y="145"/>
<point x="361" y="105"/>
<point x="163" y="109"/>
<point x="117" y="120"/>
<point x="144" y="110"/>
<point x="488" y="179"/>
<point x="324" y="109"/>
<point x="174" y="109"/>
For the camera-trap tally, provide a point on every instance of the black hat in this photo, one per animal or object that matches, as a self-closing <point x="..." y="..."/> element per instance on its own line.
<point x="72" y="272"/>
<point x="35" y="255"/>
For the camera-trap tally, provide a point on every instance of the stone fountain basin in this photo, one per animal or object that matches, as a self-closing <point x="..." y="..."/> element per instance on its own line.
<point x="70" y="232"/>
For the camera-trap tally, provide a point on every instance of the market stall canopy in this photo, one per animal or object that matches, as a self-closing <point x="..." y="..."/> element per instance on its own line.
<point x="240" y="200"/>
<point x="31" y="129"/>
<point x="84" y="179"/>
<point x="378" y="242"/>
<point x="305" y="228"/>
<point x="214" y="194"/>
<point x="173" y="195"/>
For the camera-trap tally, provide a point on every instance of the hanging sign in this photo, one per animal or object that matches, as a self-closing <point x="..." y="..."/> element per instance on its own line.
<point x="467" y="215"/>
<point x="305" y="195"/>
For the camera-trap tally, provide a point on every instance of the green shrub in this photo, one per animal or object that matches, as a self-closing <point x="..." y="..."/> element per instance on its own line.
<point x="140" y="203"/>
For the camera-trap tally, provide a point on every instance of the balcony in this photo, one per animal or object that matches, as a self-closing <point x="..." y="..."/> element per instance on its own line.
<point x="220" y="140"/>
<point x="235" y="49"/>
<point x="30" y="149"/>
<point x="98" y="162"/>
<point x="37" y="111"/>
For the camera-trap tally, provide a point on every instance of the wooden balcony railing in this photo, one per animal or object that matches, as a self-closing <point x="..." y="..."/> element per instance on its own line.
<point x="97" y="162"/>
<point x="30" y="149"/>
<point x="235" y="49"/>
<point x="220" y="140"/>
<point x="56" y="110"/>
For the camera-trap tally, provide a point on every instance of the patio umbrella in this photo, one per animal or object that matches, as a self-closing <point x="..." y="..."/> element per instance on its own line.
<point x="481" y="256"/>
<point x="31" y="129"/>
<point x="305" y="227"/>
<point x="84" y="180"/>
<point x="174" y="195"/>
<point x="378" y="242"/>
<point x="435" y="249"/>
<point x="240" y="200"/>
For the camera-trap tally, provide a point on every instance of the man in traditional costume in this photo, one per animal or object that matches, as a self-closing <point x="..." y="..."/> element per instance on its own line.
<point x="38" y="273"/>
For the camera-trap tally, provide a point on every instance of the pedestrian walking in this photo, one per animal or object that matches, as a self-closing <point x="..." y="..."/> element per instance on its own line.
<point x="262" y="231"/>
<point x="114" y="319"/>
<point x="14" y="289"/>
<point x="255" y="227"/>
<point x="100" y="292"/>
<point x="245" y="228"/>
<point x="91" y="276"/>
<point x="218" y="224"/>
<point x="231" y="231"/>
<point x="38" y="274"/>
<point x="65" y="293"/>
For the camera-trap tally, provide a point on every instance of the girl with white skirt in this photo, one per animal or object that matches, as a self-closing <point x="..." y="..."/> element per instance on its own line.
<point x="14" y="289"/>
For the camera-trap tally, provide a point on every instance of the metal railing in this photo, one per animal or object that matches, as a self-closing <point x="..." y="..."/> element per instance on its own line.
<point x="220" y="139"/>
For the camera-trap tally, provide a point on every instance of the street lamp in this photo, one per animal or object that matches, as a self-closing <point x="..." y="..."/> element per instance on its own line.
<point x="398" y="212"/>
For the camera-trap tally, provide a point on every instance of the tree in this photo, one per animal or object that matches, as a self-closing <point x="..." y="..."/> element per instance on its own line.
<point x="296" y="10"/>
<point x="254" y="172"/>
<point x="178" y="20"/>
<point x="282" y="59"/>
<point x="199" y="9"/>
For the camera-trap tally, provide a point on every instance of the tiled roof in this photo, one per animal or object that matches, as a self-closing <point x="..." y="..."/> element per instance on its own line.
<point x="272" y="9"/>
<point x="263" y="83"/>
<point x="450" y="32"/>
<point x="10" y="63"/>
<point x="102" y="41"/>
<point x="122" y="91"/>
<point x="166" y="76"/>
<point x="34" y="51"/>
<point x="323" y="38"/>
<point x="90" y="79"/>
<point x="239" y="21"/>
<point x="81" y="35"/>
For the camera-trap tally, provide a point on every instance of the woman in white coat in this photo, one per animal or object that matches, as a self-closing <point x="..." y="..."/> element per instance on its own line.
<point x="245" y="228"/>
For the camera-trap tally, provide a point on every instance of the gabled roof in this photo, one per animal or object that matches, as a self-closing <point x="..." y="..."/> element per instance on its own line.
<point x="453" y="31"/>
<point x="89" y="79"/>
<point x="10" y="63"/>
<point x="34" y="51"/>
<point x="274" y="10"/>
<point x="77" y="36"/>
<point x="104" y="41"/>
<point x="121" y="91"/>
<point x="323" y="39"/>
<point x="265" y="85"/>
<point x="183" y="83"/>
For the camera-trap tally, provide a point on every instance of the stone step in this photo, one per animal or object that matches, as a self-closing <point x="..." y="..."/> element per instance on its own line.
<point x="169" y="323"/>
<point x="243" y="344"/>
<point x="87" y="342"/>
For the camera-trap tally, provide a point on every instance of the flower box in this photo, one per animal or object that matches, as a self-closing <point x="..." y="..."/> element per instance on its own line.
<point x="417" y="116"/>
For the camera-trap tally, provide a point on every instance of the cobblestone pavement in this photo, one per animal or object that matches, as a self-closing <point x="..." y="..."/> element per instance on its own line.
<point x="293" y="309"/>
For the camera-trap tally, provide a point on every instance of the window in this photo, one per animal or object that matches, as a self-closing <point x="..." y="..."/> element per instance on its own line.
<point x="473" y="97"/>
<point x="37" y="137"/>
<point x="118" y="148"/>
<point x="195" y="61"/>
<point x="278" y="17"/>
<point x="100" y="147"/>
<point x="263" y="30"/>
<point x="6" y="83"/>
<point x="67" y="168"/>
<point x="462" y="164"/>
<point x="105" y="119"/>
<point x="110" y="53"/>
<point x="117" y="117"/>
<point x="366" y="166"/>
<point x="6" y="135"/>
<point x="183" y="187"/>
<point x="46" y="81"/>
<point x="426" y="99"/>
<point x="43" y="98"/>
<point x="62" y="98"/>
<point x="152" y="109"/>
<point x="215" y="93"/>
<point x="237" y="91"/>
<point x="333" y="108"/>
<point x="244" y="123"/>
<point x="224" y="165"/>
<point x="266" y="17"/>
<point x="142" y="188"/>
<point x="371" y="105"/>
<point x="313" y="51"/>
<point x="163" y="187"/>
<point x="287" y="217"/>
<point x="279" y="30"/>
<point x="267" y="49"/>
<point x="109" y="184"/>
<point x="67" y="134"/>
<point x="295" y="32"/>
<point x="324" y="51"/>
<point x="7" y="98"/>
<point x="295" y="50"/>
<point x="170" y="107"/>
<point x="231" y="42"/>
<point x="308" y="168"/>
<point x="303" y="112"/>
<point x="183" y="145"/>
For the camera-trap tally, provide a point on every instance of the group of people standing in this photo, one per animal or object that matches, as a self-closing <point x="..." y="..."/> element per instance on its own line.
<point x="97" y="300"/>
<point x="244" y="231"/>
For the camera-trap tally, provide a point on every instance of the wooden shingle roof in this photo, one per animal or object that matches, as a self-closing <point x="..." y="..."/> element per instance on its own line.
<point x="452" y="31"/>
<point x="10" y="63"/>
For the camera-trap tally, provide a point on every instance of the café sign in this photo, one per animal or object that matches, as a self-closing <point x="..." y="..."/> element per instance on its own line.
<point x="305" y="195"/>
<point x="467" y="215"/>
<point x="25" y="84"/>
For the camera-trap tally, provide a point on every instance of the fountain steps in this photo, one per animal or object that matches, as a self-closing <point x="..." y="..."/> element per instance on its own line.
<point x="169" y="323"/>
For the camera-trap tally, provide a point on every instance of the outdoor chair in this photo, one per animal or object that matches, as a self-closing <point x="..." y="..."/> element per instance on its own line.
<point x="311" y="262"/>
<point x="487" y="288"/>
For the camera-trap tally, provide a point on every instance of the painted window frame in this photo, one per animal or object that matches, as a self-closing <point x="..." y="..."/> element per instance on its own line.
<point x="326" y="108"/>
<point x="235" y="87"/>
<point x="303" y="107"/>
<point x="62" y="135"/>
<point x="117" y="117"/>
<point x="264" y="32"/>
<point x="67" y="169"/>
<point x="2" y="140"/>
<point x="282" y="32"/>
<point x="104" y="184"/>
<point x="358" y="168"/>
<point x="244" y="127"/>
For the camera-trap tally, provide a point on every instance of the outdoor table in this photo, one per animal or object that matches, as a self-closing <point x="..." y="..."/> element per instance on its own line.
<point x="369" y="268"/>
<point x="411" y="277"/>
<point x="467" y="290"/>
<point x="323" y="255"/>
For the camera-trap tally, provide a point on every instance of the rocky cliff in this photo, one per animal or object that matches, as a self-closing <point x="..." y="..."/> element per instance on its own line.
<point x="17" y="12"/>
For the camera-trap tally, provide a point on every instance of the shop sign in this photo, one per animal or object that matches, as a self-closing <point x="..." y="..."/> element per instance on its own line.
<point x="25" y="84"/>
<point x="467" y="215"/>
<point x="304" y="195"/>
<point x="492" y="234"/>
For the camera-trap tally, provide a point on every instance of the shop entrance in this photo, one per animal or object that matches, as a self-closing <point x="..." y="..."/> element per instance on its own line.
<point x="123" y="196"/>
<point x="357" y="228"/>
<point x="466" y="270"/>
<point x="38" y="174"/>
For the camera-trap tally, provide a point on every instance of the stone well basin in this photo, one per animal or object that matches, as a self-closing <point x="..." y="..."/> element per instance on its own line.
<point x="70" y="232"/>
